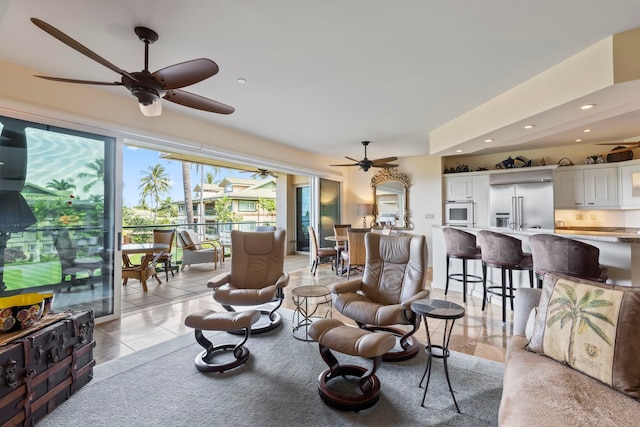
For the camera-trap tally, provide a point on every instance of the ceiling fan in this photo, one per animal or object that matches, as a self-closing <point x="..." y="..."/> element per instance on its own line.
<point x="148" y="87"/>
<point x="365" y="164"/>
<point x="262" y="173"/>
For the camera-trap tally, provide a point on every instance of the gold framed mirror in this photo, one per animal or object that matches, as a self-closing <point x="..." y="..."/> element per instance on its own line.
<point x="391" y="202"/>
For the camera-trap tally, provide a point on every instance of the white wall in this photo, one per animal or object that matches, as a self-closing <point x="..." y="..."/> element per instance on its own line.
<point x="424" y="194"/>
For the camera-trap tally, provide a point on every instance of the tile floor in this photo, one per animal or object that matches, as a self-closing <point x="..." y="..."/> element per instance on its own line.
<point x="158" y="315"/>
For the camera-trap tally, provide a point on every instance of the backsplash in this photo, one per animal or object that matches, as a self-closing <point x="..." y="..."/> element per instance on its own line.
<point x="618" y="219"/>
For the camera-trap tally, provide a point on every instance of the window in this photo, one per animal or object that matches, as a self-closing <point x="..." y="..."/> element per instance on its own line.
<point x="60" y="185"/>
<point x="246" y="205"/>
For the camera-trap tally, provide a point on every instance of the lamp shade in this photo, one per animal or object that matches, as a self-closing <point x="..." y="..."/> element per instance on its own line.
<point x="365" y="209"/>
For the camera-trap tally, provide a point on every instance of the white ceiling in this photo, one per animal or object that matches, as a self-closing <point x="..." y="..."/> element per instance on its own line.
<point x="325" y="75"/>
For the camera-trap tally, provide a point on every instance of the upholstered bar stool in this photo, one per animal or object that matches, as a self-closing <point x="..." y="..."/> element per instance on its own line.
<point x="461" y="245"/>
<point x="555" y="254"/>
<point x="503" y="252"/>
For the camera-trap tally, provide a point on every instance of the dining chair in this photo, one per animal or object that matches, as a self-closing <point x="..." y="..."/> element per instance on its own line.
<point x="165" y="237"/>
<point x="340" y="233"/>
<point x="318" y="253"/>
<point x="355" y="254"/>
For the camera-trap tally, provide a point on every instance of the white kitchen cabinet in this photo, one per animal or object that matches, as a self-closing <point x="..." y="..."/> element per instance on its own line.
<point x="481" y="200"/>
<point x="586" y="188"/>
<point x="630" y="182"/>
<point x="458" y="188"/>
<point x="601" y="187"/>
<point x="568" y="189"/>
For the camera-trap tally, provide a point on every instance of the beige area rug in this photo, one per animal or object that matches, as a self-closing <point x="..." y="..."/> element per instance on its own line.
<point x="160" y="386"/>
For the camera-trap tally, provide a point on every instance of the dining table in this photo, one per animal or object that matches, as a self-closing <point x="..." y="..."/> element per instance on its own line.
<point x="142" y="249"/>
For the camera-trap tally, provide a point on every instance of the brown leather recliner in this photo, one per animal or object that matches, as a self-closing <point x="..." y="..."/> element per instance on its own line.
<point x="394" y="277"/>
<point x="256" y="276"/>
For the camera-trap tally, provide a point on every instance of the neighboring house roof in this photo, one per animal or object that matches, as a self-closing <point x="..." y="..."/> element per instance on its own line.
<point x="209" y="188"/>
<point x="242" y="189"/>
<point x="34" y="190"/>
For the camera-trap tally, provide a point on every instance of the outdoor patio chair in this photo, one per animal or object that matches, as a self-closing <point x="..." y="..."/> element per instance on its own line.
<point x="195" y="251"/>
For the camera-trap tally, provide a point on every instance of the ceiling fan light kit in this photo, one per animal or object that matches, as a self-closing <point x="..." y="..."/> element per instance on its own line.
<point x="366" y="164"/>
<point x="149" y="88"/>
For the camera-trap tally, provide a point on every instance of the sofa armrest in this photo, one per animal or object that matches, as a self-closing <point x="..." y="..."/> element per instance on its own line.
<point x="525" y="300"/>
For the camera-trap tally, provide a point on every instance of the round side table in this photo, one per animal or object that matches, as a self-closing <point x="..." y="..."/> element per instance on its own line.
<point x="305" y="311"/>
<point x="449" y="312"/>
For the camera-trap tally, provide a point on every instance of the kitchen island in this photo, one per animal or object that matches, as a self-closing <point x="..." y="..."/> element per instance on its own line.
<point x="619" y="251"/>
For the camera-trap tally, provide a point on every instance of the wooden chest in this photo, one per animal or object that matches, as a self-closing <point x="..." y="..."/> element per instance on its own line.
<point x="41" y="370"/>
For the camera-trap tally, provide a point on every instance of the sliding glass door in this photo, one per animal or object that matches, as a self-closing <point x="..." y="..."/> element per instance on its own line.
<point x="57" y="210"/>
<point x="329" y="196"/>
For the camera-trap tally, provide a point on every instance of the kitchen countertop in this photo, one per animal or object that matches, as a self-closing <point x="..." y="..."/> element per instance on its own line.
<point x="601" y="234"/>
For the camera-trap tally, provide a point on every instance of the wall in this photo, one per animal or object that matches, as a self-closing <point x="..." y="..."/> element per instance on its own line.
<point x="424" y="194"/>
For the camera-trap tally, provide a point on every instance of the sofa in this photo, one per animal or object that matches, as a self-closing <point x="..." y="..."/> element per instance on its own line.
<point x="541" y="391"/>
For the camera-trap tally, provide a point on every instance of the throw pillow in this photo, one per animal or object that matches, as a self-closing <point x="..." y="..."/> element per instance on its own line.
<point x="592" y="327"/>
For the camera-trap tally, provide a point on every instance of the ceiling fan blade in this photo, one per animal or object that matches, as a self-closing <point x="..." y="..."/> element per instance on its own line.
<point x="350" y="164"/>
<point x="352" y="159"/>
<point x="186" y="73"/>
<point x="385" y="165"/>
<point x="85" y="82"/>
<point x="79" y="47"/>
<point x="383" y="160"/>
<point x="198" y="102"/>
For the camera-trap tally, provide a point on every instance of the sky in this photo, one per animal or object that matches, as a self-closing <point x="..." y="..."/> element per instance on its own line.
<point x="136" y="164"/>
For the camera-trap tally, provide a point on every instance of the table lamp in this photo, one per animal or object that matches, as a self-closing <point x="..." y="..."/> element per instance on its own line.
<point x="365" y="209"/>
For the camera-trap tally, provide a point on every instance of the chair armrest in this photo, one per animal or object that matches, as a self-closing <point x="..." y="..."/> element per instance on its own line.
<point x="525" y="300"/>
<point x="406" y="304"/>
<point x="283" y="280"/>
<point x="219" y="280"/>
<point x="350" y="286"/>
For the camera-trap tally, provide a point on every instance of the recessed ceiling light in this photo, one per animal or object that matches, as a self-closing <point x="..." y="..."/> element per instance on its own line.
<point x="242" y="80"/>
<point x="579" y="140"/>
<point x="587" y="107"/>
<point x="488" y="140"/>
<point x="528" y="126"/>
<point x="458" y="151"/>
<point x="587" y="130"/>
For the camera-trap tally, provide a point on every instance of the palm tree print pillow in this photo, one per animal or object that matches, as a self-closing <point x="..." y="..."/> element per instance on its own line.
<point x="592" y="327"/>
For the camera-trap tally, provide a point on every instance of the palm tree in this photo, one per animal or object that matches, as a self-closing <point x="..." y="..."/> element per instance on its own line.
<point x="96" y="175"/>
<point x="154" y="184"/>
<point x="579" y="313"/>
<point x="186" y="187"/>
<point x="61" y="184"/>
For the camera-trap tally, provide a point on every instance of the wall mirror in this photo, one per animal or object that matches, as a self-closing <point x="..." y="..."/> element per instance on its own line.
<point x="391" y="206"/>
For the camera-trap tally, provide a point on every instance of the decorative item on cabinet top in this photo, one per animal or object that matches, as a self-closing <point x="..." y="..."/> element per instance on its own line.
<point x="622" y="151"/>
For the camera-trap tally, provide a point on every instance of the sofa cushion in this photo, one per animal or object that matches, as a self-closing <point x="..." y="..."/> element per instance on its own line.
<point x="593" y="328"/>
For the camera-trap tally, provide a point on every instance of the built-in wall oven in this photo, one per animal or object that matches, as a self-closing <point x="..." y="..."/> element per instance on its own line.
<point x="459" y="214"/>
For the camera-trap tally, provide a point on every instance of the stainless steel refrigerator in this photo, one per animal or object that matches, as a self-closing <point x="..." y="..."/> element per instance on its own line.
<point x="521" y="200"/>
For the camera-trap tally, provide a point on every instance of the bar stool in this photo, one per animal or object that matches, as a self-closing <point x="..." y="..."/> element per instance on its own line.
<point x="461" y="245"/>
<point x="503" y="252"/>
<point x="555" y="254"/>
